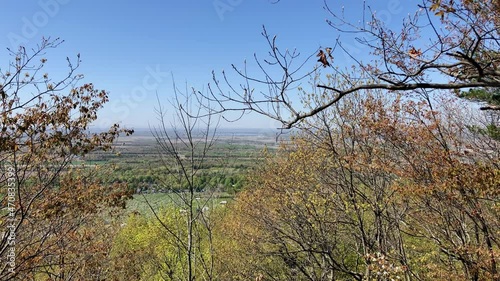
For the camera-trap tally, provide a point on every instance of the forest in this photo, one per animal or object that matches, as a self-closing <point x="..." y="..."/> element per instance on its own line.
<point x="388" y="169"/>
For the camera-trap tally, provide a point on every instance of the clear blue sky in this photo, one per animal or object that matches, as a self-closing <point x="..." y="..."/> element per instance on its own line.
<point x="122" y="42"/>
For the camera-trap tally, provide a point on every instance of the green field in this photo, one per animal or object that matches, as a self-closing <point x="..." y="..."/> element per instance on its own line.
<point x="141" y="202"/>
<point x="136" y="161"/>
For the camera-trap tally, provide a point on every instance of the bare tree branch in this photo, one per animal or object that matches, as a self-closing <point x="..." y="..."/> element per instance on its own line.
<point x="458" y="50"/>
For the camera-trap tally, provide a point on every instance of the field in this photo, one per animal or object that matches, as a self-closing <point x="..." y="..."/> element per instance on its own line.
<point x="140" y="204"/>
<point x="137" y="161"/>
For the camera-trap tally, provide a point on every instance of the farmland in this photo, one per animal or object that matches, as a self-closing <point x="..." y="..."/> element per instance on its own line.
<point x="136" y="160"/>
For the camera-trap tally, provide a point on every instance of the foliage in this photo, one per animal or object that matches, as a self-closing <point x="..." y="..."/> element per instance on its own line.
<point x="489" y="96"/>
<point x="44" y="127"/>
<point x="376" y="189"/>
<point x="371" y="188"/>
<point x="148" y="248"/>
<point x="72" y="227"/>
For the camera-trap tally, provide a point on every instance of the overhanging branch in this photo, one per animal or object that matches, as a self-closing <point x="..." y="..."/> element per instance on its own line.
<point x="389" y="87"/>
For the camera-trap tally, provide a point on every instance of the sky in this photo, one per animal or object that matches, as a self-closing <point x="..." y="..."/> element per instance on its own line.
<point x="136" y="49"/>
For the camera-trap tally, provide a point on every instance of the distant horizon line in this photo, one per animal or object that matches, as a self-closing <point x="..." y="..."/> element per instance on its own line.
<point x="142" y="129"/>
<point x="225" y="131"/>
<point x="139" y="128"/>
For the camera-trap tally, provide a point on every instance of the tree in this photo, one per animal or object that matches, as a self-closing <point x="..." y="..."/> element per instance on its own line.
<point x="324" y="207"/>
<point x="372" y="189"/>
<point x="186" y="228"/>
<point x="449" y="40"/>
<point x="448" y="175"/>
<point x="72" y="228"/>
<point x="491" y="97"/>
<point x="146" y="248"/>
<point x="439" y="171"/>
<point x="44" y="127"/>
